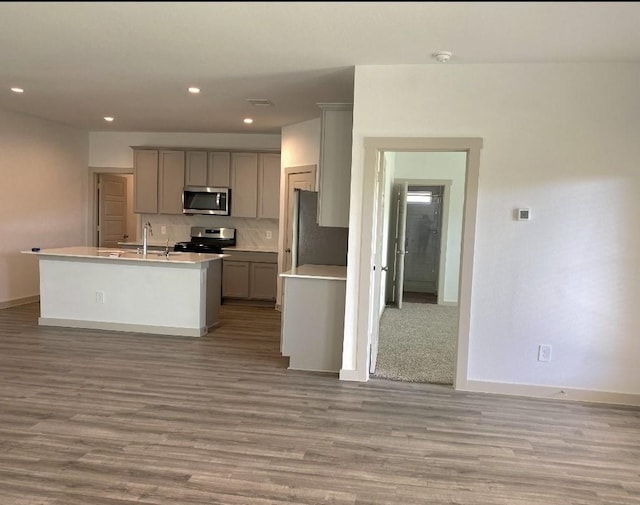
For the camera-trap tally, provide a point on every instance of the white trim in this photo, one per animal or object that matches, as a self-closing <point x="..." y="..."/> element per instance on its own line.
<point x="19" y="301"/>
<point x="350" y="375"/>
<point x="552" y="392"/>
<point x="131" y="328"/>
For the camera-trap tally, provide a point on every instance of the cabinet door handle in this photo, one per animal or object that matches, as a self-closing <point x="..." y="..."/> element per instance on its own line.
<point x="287" y="250"/>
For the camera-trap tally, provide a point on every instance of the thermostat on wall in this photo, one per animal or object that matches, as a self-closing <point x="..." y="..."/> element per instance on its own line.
<point x="524" y="214"/>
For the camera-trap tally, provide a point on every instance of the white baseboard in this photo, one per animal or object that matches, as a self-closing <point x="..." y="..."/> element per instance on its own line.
<point x="551" y="392"/>
<point x="350" y="375"/>
<point x="19" y="301"/>
<point x="131" y="328"/>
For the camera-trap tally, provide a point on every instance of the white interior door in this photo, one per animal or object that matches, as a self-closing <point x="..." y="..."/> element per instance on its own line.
<point x="400" y="242"/>
<point x="296" y="178"/>
<point x="112" y="210"/>
<point x="377" y="270"/>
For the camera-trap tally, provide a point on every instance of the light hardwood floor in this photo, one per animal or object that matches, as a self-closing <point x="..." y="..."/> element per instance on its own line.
<point x="105" y="418"/>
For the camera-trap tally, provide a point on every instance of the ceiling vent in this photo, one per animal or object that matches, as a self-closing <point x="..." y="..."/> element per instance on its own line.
<point x="260" y="102"/>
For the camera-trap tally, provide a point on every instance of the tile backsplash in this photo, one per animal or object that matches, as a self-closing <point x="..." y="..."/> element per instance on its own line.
<point x="249" y="232"/>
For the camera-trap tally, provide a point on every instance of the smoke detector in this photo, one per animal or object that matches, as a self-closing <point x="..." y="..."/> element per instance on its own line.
<point x="442" y="56"/>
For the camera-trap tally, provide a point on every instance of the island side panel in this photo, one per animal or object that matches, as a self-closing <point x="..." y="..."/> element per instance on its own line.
<point x="313" y="323"/>
<point x="213" y="292"/>
<point x="129" y="296"/>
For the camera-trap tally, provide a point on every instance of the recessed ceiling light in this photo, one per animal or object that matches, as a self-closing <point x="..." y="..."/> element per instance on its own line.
<point x="108" y="119"/>
<point x="17" y="90"/>
<point x="194" y="90"/>
<point x="248" y="120"/>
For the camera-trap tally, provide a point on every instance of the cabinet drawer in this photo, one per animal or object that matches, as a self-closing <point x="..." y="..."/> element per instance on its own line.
<point x="251" y="256"/>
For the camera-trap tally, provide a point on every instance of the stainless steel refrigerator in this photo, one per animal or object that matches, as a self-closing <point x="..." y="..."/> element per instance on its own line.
<point x="313" y="244"/>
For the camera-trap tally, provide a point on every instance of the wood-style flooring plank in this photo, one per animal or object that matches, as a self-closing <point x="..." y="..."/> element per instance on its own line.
<point x="108" y="418"/>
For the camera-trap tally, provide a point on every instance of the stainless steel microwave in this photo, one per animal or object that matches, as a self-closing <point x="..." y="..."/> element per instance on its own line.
<point x="203" y="200"/>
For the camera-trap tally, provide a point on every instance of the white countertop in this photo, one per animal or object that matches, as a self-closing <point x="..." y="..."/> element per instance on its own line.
<point x="124" y="255"/>
<point x="154" y="243"/>
<point x="329" y="272"/>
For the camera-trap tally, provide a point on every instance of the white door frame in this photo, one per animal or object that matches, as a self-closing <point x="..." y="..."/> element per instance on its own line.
<point x="356" y="346"/>
<point x="92" y="201"/>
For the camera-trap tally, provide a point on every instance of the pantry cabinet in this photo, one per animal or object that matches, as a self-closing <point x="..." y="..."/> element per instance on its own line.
<point x="145" y="181"/>
<point x="269" y="185"/>
<point x="244" y="185"/>
<point x="334" y="186"/>
<point x="170" y="182"/>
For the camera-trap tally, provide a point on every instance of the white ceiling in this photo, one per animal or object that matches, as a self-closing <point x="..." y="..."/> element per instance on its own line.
<point x="81" y="61"/>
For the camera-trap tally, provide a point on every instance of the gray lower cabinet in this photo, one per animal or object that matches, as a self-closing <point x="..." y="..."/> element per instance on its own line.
<point x="235" y="279"/>
<point x="262" y="281"/>
<point x="250" y="275"/>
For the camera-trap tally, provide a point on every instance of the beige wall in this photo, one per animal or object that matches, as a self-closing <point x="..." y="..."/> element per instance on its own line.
<point x="561" y="139"/>
<point x="42" y="196"/>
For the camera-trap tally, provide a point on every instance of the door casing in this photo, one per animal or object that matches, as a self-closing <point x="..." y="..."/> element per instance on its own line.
<point x="357" y="348"/>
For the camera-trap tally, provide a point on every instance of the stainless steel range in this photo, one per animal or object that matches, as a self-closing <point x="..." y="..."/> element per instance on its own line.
<point x="208" y="240"/>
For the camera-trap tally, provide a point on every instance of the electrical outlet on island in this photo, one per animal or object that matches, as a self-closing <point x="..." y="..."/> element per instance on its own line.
<point x="163" y="230"/>
<point x="269" y="235"/>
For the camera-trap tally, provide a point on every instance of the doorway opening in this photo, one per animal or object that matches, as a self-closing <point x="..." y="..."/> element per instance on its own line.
<point x="417" y="214"/>
<point x="382" y="157"/>
<point x="418" y="326"/>
<point x="112" y="220"/>
<point x="424" y="229"/>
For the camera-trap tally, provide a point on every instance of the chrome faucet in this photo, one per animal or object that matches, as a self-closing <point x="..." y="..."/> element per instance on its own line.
<point x="147" y="229"/>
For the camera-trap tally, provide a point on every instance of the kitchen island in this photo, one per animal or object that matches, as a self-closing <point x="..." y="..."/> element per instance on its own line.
<point x="115" y="289"/>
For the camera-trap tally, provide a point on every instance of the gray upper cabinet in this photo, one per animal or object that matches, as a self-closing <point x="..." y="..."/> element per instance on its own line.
<point x="208" y="168"/>
<point x="269" y="185"/>
<point x="335" y="164"/>
<point x="196" y="168"/>
<point x="145" y="175"/>
<point x="219" y="170"/>
<point x="158" y="181"/>
<point x="160" y="176"/>
<point x="244" y="184"/>
<point x="170" y="181"/>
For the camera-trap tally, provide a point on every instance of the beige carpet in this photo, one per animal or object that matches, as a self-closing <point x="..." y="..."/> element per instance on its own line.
<point x="418" y="343"/>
